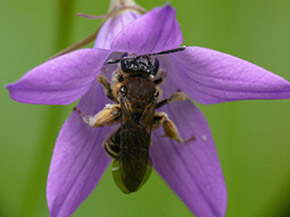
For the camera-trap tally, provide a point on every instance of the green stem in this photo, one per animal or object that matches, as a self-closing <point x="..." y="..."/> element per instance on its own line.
<point x="34" y="193"/>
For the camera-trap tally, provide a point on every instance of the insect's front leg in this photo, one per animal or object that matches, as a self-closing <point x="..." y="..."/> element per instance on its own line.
<point x="103" y="80"/>
<point x="162" y="76"/>
<point x="178" y="96"/>
<point x="109" y="115"/>
<point x="169" y="127"/>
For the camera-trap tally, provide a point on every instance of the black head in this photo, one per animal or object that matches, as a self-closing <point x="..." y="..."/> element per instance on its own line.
<point x="147" y="63"/>
<point x="143" y="64"/>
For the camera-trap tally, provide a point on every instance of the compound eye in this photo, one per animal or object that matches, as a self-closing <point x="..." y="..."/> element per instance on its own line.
<point x="156" y="94"/>
<point x="124" y="64"/>
<point x="123" y="90"/>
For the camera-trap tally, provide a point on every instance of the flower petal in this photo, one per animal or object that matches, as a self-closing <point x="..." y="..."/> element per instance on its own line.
<point x="113" y="26"/>
<point x="61" y="80"/>
<point x="158" y="30"/>
<point x="78" y="160"/>
<point x="191" y="169"/>
<point x="211" y="76"/>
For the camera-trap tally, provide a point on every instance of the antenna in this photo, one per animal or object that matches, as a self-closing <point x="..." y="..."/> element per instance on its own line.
<point x="150" y="54"/>
<point x="166" y="52"/>
<point x="113" y="61"/>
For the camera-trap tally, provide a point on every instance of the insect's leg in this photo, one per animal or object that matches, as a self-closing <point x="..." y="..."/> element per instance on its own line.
<point x="169" y="127"/>
<point x="112" y="145"/>
<point x="178" y="96"/>
<point x="109" y="115"/>
<point x="103" y="80"/>
<point x="162" y="76"/>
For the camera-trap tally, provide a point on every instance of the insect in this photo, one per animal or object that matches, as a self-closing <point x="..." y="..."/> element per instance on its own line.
<point x="135" y="93"/>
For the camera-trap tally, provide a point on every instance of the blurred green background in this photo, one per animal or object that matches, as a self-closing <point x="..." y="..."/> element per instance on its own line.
<point x="252" y="137"/>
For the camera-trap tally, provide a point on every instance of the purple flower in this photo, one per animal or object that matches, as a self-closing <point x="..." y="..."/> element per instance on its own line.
<point x="193" y="169"/>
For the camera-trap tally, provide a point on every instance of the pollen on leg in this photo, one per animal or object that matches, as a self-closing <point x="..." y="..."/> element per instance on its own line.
<point x="178" y="96"/>
<point x="170" y="130"/>
<point x="108" y="116"/>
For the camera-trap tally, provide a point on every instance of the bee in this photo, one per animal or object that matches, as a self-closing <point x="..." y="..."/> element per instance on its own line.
<point x="135" y="93"/>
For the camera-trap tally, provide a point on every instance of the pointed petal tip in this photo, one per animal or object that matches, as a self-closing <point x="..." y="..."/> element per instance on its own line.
<point x="61" y="80"/>
<point x="211" y="76"/>
<point x="192" y="170"/>
<point x="9" y="87"/>
<point x="168" y="7"/>
<point x="21" y="95"/>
